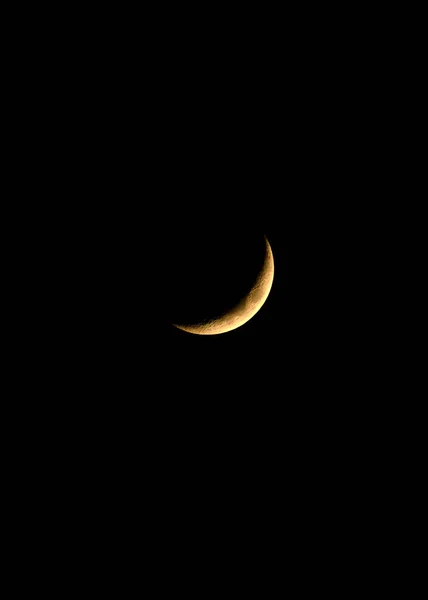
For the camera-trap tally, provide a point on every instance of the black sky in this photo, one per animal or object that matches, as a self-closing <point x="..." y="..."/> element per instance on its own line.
<point x="257" y="146"/>
<point x="124" y="256"/>
<point x="143" y="148"/>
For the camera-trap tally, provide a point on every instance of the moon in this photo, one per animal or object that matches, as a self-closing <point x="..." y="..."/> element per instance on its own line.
<point x="245" y="309"/>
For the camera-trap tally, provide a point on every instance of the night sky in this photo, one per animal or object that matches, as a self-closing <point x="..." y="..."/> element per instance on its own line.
<point x="129" y="283"/>
<point x="157" y="151"/>
<point x="187" y="163"/>
<point x="275" y="385"/>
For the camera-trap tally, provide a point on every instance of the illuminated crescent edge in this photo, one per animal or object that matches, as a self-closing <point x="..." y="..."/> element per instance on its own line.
<point x="245" y="309"/>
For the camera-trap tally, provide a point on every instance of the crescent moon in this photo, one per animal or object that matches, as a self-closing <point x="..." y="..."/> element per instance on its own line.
<point x="246" y="308"/>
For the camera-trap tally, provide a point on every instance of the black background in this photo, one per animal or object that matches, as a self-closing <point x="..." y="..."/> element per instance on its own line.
<point x="142" y="151"/>
<point x="286" y="363"/>
<point x="152" y="165"/>
<point x="279" y="143"/>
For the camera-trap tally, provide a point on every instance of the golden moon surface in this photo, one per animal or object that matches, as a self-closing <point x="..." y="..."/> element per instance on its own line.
<point x="245" y="309"/>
